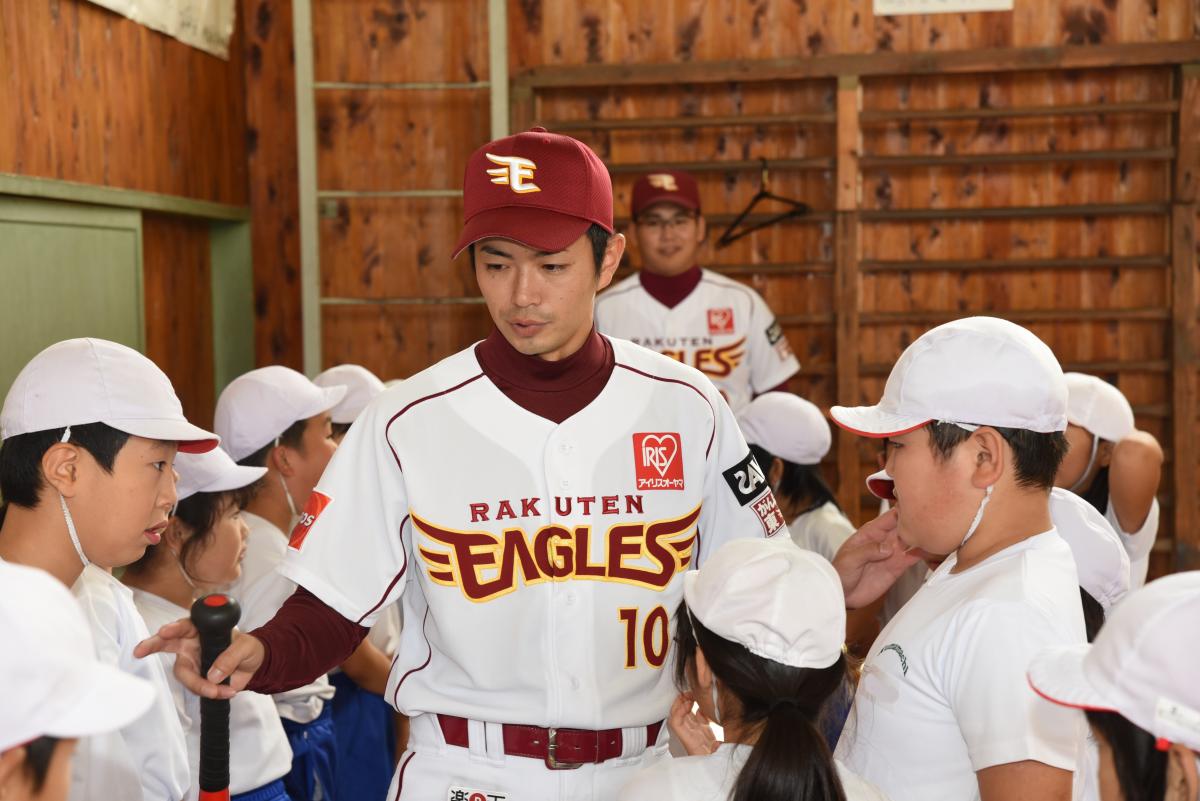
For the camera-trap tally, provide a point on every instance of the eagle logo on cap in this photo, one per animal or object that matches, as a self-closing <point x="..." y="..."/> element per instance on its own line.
<point x="513" y="172"/>
<point x="664" y="181"/>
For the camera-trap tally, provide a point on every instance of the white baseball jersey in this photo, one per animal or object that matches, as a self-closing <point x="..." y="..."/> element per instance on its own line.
<point x="539" y="564"/>
<point x="723" y="328"/>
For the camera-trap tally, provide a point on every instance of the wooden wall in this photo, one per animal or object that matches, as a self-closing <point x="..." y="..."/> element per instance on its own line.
<point x="1095" y="286"/>
<point x="92" y="97"/>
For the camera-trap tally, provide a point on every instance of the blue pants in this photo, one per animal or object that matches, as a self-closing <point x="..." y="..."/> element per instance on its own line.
<point x="366" y="742"/>
<point x="268" y="792"/>
<point x="314" y="758"/>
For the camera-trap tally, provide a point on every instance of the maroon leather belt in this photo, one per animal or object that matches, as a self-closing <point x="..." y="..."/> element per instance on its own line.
<point x="560" y="749"/>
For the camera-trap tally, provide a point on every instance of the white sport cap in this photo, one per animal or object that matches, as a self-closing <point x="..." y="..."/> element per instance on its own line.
<point x="781" y="602"/>
<point x="1142" y="664"/>
<point x="787" y="426"/>
<point x="361" y="388"/>
<point x="1100" y="557"/>
<point x="977" y="371"/>
<point x="1098" y="406"/>
<point x="81" y="381"/>
<point x="54" y="684"/>
<point x="212" y="472"/>
<point x="260" y="405"/>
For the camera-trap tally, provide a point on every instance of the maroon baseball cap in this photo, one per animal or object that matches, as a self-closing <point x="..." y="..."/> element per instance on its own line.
<point x="667" y="186"/>
<point x="541" y="189"/>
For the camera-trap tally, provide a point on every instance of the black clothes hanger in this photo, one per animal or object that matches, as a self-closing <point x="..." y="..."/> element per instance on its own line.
<point x="795" y="209"/>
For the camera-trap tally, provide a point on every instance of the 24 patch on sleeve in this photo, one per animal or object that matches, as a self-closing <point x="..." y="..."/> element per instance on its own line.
<point x="745" y="479"/>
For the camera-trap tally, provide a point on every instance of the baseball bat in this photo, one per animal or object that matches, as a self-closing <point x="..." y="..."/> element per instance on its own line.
<point x="214" y="617"/>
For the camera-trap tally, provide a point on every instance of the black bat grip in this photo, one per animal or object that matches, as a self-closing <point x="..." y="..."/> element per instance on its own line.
<point x="214" y="617"/>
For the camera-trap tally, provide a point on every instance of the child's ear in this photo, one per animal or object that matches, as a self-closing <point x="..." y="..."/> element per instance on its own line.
<point x="989" y="456"/>
<point x="280" y="459"/>
<point x="60" y="467"/>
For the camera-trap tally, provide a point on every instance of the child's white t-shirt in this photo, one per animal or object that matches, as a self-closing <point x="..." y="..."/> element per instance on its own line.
<point x="944" y="692"/>
<point x="712" y="777"/>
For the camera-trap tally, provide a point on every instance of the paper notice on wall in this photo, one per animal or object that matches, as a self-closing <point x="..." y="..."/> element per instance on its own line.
<point x="892" y="7"/>
<point x="204" y="24"/>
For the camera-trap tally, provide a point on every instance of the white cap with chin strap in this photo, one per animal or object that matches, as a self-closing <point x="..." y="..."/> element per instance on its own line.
<point x="83" y="381"/>
<point x="978" y="371"/>
<point x="1099" y="408"/>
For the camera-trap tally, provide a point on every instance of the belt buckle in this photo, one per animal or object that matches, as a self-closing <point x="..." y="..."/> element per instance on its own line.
<point x="552" y="751"/>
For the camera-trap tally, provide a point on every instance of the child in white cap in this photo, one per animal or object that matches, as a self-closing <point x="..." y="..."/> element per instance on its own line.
<point x="760" y="649"/>
<point x="56" y="690"/>
<point x="362" y="386"/>
<point x="91" y="429"/>
<point x="1138" y="685"/>
<point x="275" y="417"/>
<point x="789" y="437"/>
<point x="1113" y="465"/>
<point x="367" y="725"/>
<point x="201" y="552"/>
<point x="974" y="412"/>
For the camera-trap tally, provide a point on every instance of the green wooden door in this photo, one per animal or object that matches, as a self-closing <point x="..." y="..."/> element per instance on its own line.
<point x="66" y="270"/>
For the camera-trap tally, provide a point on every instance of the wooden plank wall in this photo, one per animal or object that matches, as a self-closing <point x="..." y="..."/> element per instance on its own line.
<point x="94" y="98"/>
<point x="836" y="272"/>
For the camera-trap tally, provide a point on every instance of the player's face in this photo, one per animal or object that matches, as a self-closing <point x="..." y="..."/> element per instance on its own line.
<point x="1079" y="452"/>
<point x="542" y="302"/>
<point x="669" y="238"/>
<point x="307" y="463"/>
<point x="935" y="500"/>
<point x="218" y="562"/>
<point x="119" y="514"/>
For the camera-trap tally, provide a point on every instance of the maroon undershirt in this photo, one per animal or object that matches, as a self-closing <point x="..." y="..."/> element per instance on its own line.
<point x="670" y="290"/>
<point x="307" y="638"/>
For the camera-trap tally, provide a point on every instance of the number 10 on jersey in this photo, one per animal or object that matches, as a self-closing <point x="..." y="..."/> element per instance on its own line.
<point x="651" y="634"/>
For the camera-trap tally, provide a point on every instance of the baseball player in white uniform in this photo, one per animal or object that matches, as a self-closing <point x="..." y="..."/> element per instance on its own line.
<point x="721" y="327"/>
<point x="533" y="502"/>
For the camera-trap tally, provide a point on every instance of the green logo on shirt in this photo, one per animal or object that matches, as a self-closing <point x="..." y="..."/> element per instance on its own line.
<point x="900" y="653"/>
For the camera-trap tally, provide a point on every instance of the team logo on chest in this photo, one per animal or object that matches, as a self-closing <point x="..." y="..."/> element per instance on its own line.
<point x="720" y="321"/>
<point x="658" y="461"/>
<point x="512" y="172"/>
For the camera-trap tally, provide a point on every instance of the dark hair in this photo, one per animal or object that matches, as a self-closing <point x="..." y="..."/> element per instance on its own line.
<point x="293" y="437"/>
<point x="340" y="429"/>
<point x="1140" y="767"/>
<point x="1036" y="456"/>
<point x="1097" y="493"/>
<point x="596" y="235"/>
<point x="1093" y="614"/>
<point x="799" y="482"/>
<point x="790" y="760"/>
<point x="200" y="513"/>
<point x="21" y="481"/>
<point x="38" y="754"/>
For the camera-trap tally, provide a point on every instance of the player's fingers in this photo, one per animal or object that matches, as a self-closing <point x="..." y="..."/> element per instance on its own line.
<point x="169" y="639"/>
<point x="243" y="656"/>
<point x="187" y="672"/>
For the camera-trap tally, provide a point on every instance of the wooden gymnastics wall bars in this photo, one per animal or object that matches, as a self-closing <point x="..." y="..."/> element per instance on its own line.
<point x="870" y="252"/>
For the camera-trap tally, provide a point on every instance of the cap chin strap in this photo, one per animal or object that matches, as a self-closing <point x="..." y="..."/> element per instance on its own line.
<point x="66" y="437"/>
<point x="1091" y="462"/>
<point x="183" y="572"/>
<point x="715" y="696"/>
<point x="987" y="496"/>
<point x="288" y="494"/>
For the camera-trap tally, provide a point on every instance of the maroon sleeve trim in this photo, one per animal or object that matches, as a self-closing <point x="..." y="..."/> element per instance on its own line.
<point x="711" y="436"/>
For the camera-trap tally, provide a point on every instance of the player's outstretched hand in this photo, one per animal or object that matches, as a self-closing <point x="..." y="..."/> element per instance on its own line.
<point x="872" y="559"/>
<point x="691" y="729"/>
<point x="238" y="661"/>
